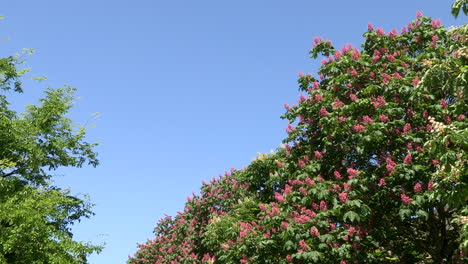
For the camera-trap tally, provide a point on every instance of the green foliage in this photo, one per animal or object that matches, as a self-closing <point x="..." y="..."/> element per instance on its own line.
<point x="373" y="169"/>
<point x="459" y="5"/>
<point x="36" y="216"/>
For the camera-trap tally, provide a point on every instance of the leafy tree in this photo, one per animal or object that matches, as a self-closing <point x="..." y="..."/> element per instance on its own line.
<point x="373" y="169"/>
<point x="35" y="215"/>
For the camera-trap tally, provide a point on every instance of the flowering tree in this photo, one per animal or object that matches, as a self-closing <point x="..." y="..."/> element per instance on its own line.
<point x="373" y="169"/>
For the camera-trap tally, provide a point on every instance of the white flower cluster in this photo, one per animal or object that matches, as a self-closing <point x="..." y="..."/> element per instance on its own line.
<point x="439" y="127"/>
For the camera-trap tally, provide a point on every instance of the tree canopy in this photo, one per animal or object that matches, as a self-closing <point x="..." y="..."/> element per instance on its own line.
<point x="373" y="169"/>
<point x="35" y="215"/>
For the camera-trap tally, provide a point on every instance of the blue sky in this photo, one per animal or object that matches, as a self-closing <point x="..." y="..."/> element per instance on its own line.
<point x="185" y="89"/>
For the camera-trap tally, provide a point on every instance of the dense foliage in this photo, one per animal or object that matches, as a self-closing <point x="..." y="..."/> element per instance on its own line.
<point x="373" y="169"/>
<point x="35" y="215"/>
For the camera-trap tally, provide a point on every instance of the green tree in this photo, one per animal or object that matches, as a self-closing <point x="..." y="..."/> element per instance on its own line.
<point x="35" y="215"/>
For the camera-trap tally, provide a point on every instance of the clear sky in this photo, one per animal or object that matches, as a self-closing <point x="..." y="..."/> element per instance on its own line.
<point x="185" y="89"/>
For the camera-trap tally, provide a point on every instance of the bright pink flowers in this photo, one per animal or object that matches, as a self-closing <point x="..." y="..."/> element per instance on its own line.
<point x="378" y="102"/>
<point x="419" y="14"/>
<point x="380" y="32"/>
<point x="386" y="78"/>
<point x="352" y="172"/>
<point x="417" y="187"/>
<point x="323" y="206"/>
<point x="434" y="40"/>
<point x="435" y="23"/>
<point x="280" y="198"/>
<point x="390" y="164"/>
<point x="337" y="175"/>
<point x="358" y="128"/>
<point x="314" y="232"/>
<point x="367" y="119"/>
<point x="408" y="159"/>
<point x="355" y="54"/>
<point x="323" y="112"/>
<point x="407" y="128"/>
<point x="290" y="128"/>
<point x="383" y="118"/>
<point x="343" y="197"/>
<point x="405" y="199"/>
<point x="353" y="97"/>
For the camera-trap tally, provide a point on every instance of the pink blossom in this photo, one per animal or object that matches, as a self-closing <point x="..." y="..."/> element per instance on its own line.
<point x="370" y="27"/>
<point x="378" y="102"/>
<point x="343" y="197"/>
<point x="346" y="186"/>
<point x="403" y="30"/>
<point x="337" y="175"/>
<point x="380" y="32"/>
<point x="318" y="154"/>
<point x="397" y="76"/>
<point x="390" y="58"/>
<point x="309" y="181"/>
<point x="289" y="258"/>
<point x="324" y="62"/>
<point x="353" y="72"/>
<point x="290" y="128"/>
<point x="430" y="186"/>
<point x="405" y="199"/>
<point x="417" y="187"/>
<point x="346" y="48"/>
<point x="343" y="262"/>
<point x="403" y="64"/>
<point x="435" y="23"/>
<point x="382" y="182"/>
<point x="318" y="97"/>
<point x="280" y="198"/>
<point x="317" y="40"/>
<point x="434" y="40"/>
<point x="320" y="178"/>
<point x="314" y="232"/>
<point x="323" y="112"/>
<point x="393" y="33"/>
<point x="408" y="159"/>
<point x="358" y="128"/>
<point x="419" y="14"/>
<point x="461" y="117"/>
<point x="337" y="55"/>
<point x="300" y="74"/>
<point x="443" y="103"/>
<point x="383" y="118"/>
<point x="280" y="164"/>
<point x="367" y="119"/>
<point x="303" y="191"/>
<point x="407" y="128"/>
<point x="386" y="78"/>
<point x="302" y="98"/>
<point x="284" y="225"/>
<point x="415" y="81"/>
<point x="355" y="54"/>
<point x="323" y="205"/>
<point x="303" y="245"/>
<point x="390" y="164"/>
<point x="337" y="104"/>
<point x="341" y="118"/>
<point x="353" y="97"/>
<point x="316" y="85"/>
<point x="352" y="172"/>
<point x="301" y="164"/>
